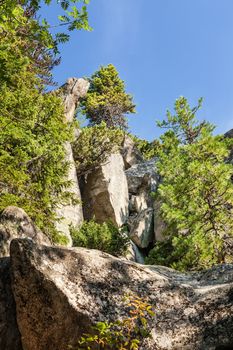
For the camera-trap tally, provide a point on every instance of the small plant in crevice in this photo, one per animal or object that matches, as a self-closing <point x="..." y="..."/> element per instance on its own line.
<point x="123" y="334"/>
<point x="102" y="236"/>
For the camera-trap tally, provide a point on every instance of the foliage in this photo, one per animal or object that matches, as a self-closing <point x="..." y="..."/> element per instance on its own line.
<point x="94" y="145"/>
<point x="162" y="254"/>
<point x="105" y="237"/>
<point x="33" y="132"/>
<point x="148" y="149"/>
<point x="125" y="334"/>
<point x="35" y="39"/>
<point x="196" y="192"/>
<point x="107" y="100"/>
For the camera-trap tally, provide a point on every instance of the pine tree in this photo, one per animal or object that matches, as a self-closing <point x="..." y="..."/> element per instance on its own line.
<point x="196" y="192"/>
<point x="32" y="130"/>
<point x="107" y="100"/>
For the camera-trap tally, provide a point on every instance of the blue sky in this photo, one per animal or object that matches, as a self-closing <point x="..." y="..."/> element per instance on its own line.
<point x="162" y="49"/>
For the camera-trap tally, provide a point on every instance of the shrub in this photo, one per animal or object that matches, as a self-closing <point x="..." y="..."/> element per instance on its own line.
<point x="148" y="149"/>
<point x="105" y="237"/>
<point x="125" y="334"/>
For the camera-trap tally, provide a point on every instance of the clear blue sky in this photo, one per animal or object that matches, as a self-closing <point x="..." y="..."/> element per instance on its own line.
<point x="162" y="49"/>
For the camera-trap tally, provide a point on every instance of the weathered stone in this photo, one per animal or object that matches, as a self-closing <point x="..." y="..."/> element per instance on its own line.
<point x="9" y="333"/>
<point x="15" y="223"/>
<point x="105" y="192"/>
<point x="130" y="153"/>
<point x="71" y="215"/>
<point x="139" y="202"/>
<point x="142" y="230"/>
<point x="71" y="92"/>
<point x="142" y="175"/>
<point x="134" y="254"/>
<point x="229" y="134"/>
<point x="59" y="292"/>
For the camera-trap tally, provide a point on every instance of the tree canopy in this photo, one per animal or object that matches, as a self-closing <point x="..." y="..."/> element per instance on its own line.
<point x="107" y="100"/>
<point x="32" y="125"/>
<point x="196" y="192"/>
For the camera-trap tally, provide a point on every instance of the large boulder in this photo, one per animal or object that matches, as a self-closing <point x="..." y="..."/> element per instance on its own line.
<point x="142" y="228"/>
<point x="59" y="292"/>
<point x="142" y="176"/>
<point x="134" y="254"/>
<point x="130" y="153"/>
<point x="15" y="223"/>
<point x="71" y="92"/>
<point x="229" y="134"/>
<point x="9" y="333"/>
<point x="142" y="180"/>
<point x="71" y="215"/>
<point x="105" y="192"/>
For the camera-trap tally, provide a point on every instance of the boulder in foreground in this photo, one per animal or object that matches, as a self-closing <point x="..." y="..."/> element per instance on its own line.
<point x="15" y="223"/>
<point x="59" y="292"/>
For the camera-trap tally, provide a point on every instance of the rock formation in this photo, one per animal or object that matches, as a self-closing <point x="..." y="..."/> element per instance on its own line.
<point x="71" y="93"/>
<point x="60" y="292"/>
<point x="15" y="223"/>
<point x="9" y="334"/>
<point x="105" y="192"/>
<point x="130" y="153"/>
<point x="142" y="181"/>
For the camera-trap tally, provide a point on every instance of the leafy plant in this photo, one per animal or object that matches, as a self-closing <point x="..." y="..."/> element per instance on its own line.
<point x="107" y="100"/>
<point x="148" y="149"/>
<point x="105" y="237"/>
<point x="36" y="41"/>
<point x="124" y="334"/>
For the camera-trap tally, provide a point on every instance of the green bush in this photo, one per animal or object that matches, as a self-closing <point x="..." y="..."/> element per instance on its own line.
<point x="148" y="149"/>
<point x="105" y="237"/>
<point x="125" y="334"/>
<point x="161" y="254"/>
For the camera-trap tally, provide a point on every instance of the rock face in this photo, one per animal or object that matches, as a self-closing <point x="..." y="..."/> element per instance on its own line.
<point x="70" y="214"/>
<point x="71" y="92"/>
<point x="142" y="180"/>
<point x="105" y="192"/>
<point x="229" y="134"/>
<point x="9" y="334"/>
<point x="134" y="254"/>
<point x="142" y="175"/>
<point x="15" y="223"/>
<point x="60" y="292"/>
<point x="130" y="153"/>
<point x="142" y="229"/>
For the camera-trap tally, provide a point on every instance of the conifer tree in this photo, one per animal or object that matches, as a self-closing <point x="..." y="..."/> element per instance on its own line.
<point x="32" y="126"/>
<point x="107" y="100"/>
<point x="196" y="192"/>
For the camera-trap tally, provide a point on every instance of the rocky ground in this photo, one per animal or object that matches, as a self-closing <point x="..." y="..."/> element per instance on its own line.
<point x="50" y="295"/>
